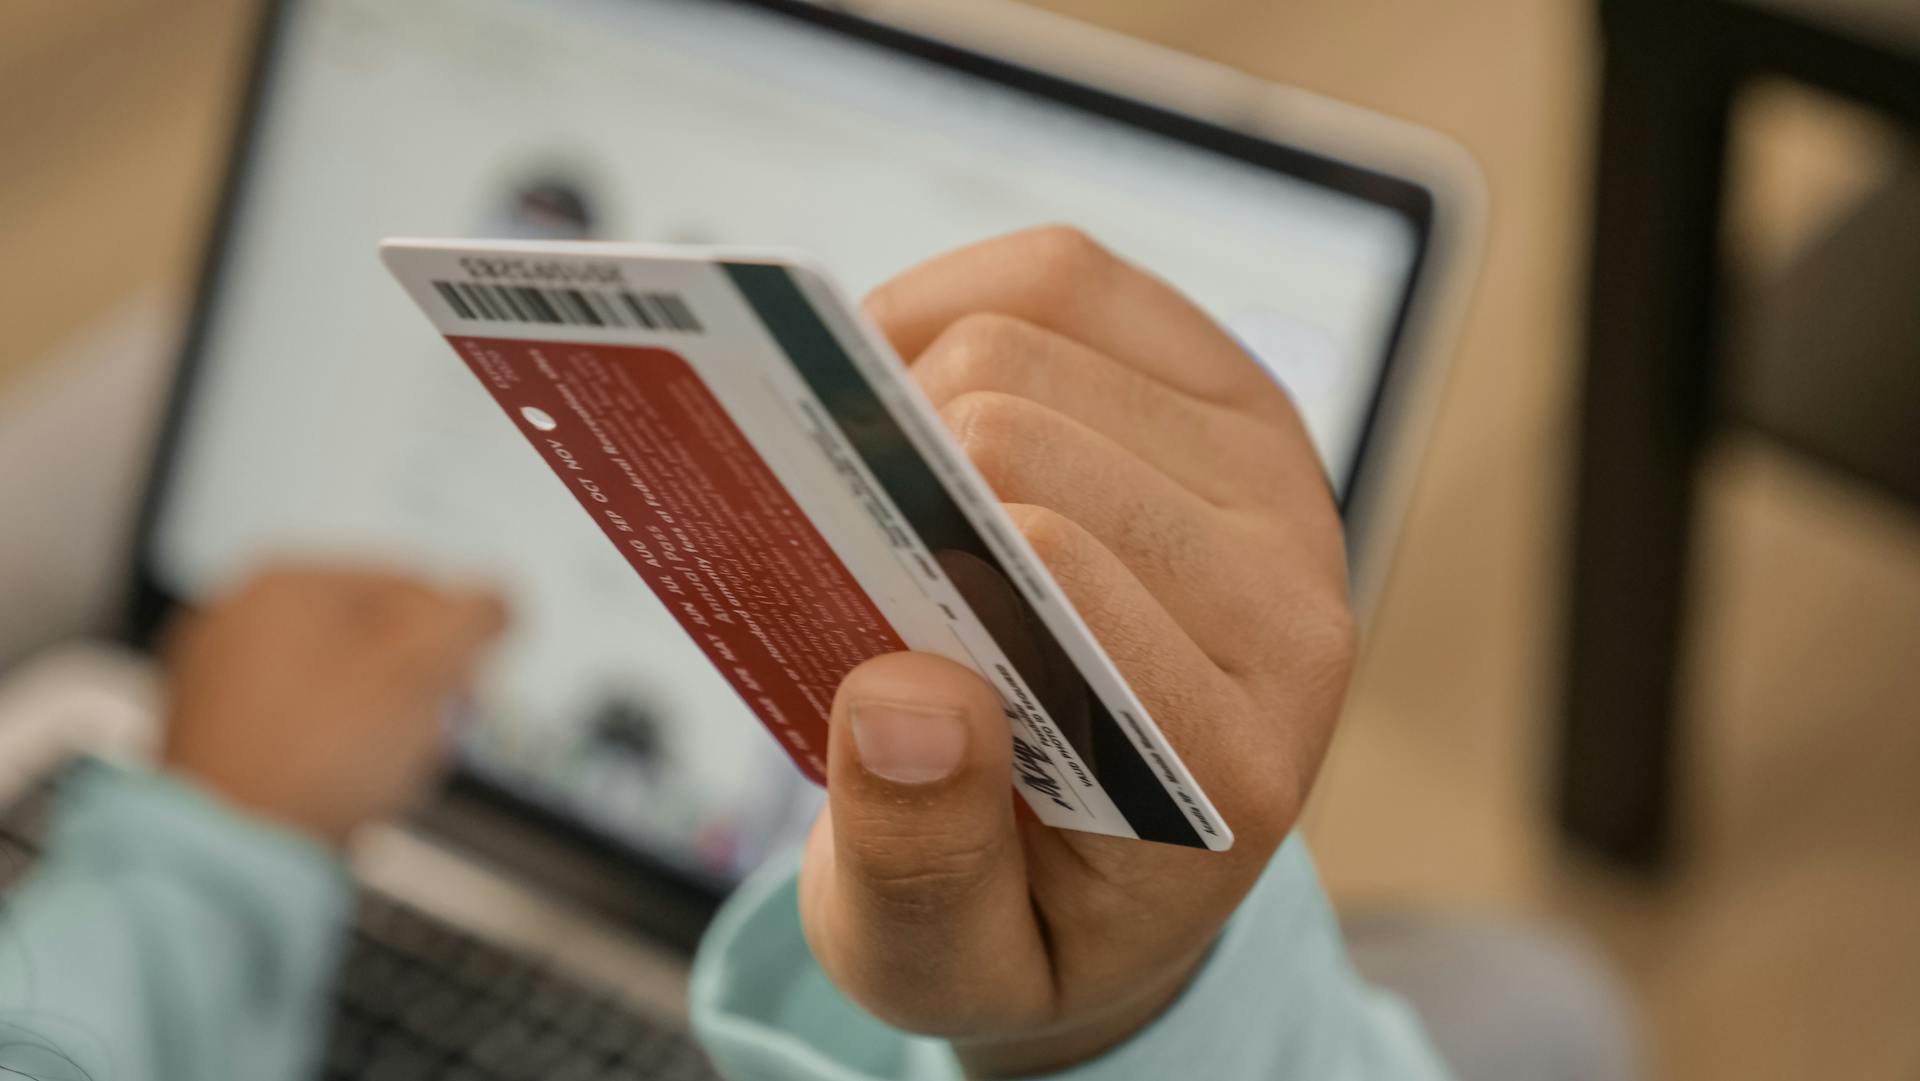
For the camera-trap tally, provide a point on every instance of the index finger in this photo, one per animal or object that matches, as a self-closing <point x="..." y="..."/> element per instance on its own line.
<point x="440" y="638"/>
<point x="1058" y="278"/>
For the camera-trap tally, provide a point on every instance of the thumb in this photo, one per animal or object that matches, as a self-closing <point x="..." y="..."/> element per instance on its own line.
<point x="914" y="892"/>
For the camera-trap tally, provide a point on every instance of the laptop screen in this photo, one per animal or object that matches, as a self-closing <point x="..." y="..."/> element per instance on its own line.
<point x="322" y="416"/>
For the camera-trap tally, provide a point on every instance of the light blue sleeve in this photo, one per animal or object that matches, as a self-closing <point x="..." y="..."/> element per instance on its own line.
<point x="166" y="938"/>
<point x="1276" y="999"/>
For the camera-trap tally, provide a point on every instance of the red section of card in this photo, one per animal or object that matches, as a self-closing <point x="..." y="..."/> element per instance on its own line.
<point x="658" y="463"/>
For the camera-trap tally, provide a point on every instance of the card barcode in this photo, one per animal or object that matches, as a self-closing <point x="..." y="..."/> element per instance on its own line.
<point x="568" y="306"/>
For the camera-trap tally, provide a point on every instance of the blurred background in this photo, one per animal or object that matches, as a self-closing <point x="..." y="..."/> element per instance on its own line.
<point x="1778" y="935"/>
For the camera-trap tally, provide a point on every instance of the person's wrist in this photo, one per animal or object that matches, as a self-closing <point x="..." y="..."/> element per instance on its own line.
<point x="1083" y="1037"/>
<point x="250" y="795"/>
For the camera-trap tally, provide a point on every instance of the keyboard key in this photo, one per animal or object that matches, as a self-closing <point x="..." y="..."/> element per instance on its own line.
<point x="577" y="1065"/>
<point x="515" y="1049"/>
<point x="350" y="1043"/>
<point x="398" y="1058"/>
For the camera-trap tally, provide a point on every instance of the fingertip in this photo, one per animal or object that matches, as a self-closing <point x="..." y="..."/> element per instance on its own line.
<point x="911" y="720"/>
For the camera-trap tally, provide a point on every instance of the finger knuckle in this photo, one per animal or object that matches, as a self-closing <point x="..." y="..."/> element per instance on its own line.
<point x="1066" y="249"/>
<point x="992" y="427"/>
<point x="910" y="878"/>
<point x="1329" y="634"/>
<point x="1061" y="263"/>
<point x="981" y="351"/>
<point x="1313" y="639"/>
<point x="1058" y="540"/>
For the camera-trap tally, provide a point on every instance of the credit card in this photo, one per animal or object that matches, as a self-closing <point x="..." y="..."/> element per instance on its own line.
<point x="761" y="458"/>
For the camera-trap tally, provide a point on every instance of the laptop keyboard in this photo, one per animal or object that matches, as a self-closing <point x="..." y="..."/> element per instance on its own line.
<point x="418" y="998"/>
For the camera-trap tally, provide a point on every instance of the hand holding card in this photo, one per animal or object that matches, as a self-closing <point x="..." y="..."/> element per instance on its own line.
<point x="1174" y="496"/>
<point x="1102" y="530"/>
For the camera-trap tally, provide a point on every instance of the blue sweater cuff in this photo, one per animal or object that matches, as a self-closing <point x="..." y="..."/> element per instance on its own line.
<point x="288" y="893"/>
<point x="1275" y="998"/>
<point x="165" y="935"/>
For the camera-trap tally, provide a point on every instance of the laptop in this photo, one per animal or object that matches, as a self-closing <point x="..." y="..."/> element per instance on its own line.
<point x="609" y="789"/>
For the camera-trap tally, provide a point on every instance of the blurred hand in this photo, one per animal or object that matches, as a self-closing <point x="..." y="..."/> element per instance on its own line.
<point x="1172" y="490"/>
<point x="317" y="697"/>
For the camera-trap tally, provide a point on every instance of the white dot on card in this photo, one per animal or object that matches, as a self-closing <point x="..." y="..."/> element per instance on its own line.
<point x="539" y="418"/>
